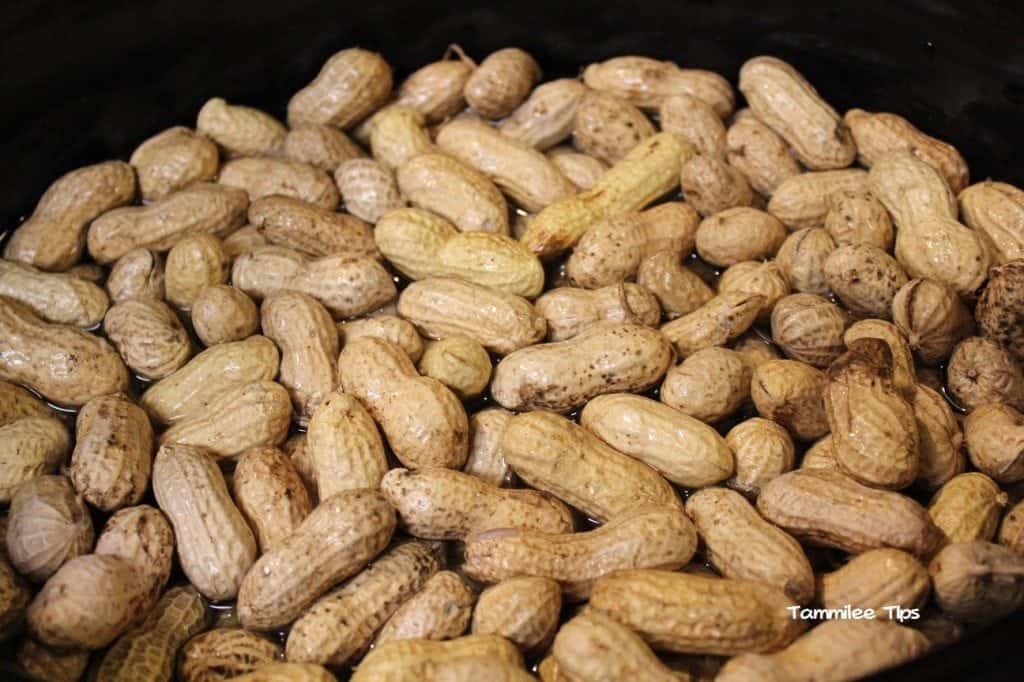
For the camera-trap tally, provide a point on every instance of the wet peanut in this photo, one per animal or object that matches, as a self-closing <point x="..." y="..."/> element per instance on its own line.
<point x="48" y="525"/>
<point x="980" y="371"/>
<point x="501" y="82"/>
<point x="350" y="86"/>
<point x="716" y="323"/>
<point x="977" y="581"/>
<point x="995" y="441"/>
<point x="173" y="159"/>
<point x="440" y="611"/>
<point x="547" y="116"/>
<point x="858" y="218"/>
<point x="608" y="127"/>
<point x="709" y="385"/>
<point x="648" y="82"/>
<point x="222" y="314"/>
<point x="240" y="130"/>
<point x="322" y="146"/>
<point x="968" y="507"/>
<point x="759" y="153"/>
<point x="270" y="494"/>
<point x="876" y="579"/>
<point x="55" y="297"/>
<point x="149" y="336"/>
<point x="763" y="450"/>
<point x="137" y="274"/>
<point x="344" y="447"/>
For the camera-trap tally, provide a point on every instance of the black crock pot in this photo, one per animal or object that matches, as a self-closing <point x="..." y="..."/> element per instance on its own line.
<point x="85" y="82"/>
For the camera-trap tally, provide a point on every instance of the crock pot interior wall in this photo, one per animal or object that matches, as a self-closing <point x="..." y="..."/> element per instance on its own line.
<point x="85" y="82"/>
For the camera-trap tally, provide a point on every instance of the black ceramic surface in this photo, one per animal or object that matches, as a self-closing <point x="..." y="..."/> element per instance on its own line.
<point x="85" y="82"/>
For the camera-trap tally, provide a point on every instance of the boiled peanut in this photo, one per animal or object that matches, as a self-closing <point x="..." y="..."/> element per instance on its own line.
<point x="755" y="349"/>
<point x="996" y="209"/>
<point x="759" y="153"/>
<point x="222" y="314"/>
<point x="876" y="579"/>
<point x="608" y="127"/>
<point x="137" y="274"/>
<point x="485" y="460"/>
<point x="143" y="537"/>
<point x="46" y="663"/>
<point x="1000" y="311"/>
<point x="791" y="393"/>
<point x="940" y="439"/>
<point x="677" y="288"/>
<point x="460" y="363"/>
<point x="1011" y="530"/>
<point x="696" y="120"/>
<point x="809" y="328"/>
<point x="240" y="130"/>
<point x="287" y="672"/>
<point x="173" y="159"/>
<point x="763" y="450"/>
<point x="802" y="258"/>
<point x="435" y="90"/>
<point x="968" y="507"/>
<point x="49" y="524"/>
<point x="977" y="581"/>
<point x="594" y="647"/>
<point x="344" y="446"/>
<point x="995" y="441"/>
<point x="224" y="653"/>
<point x="858" y="218"/>
<point x="739" y="234"/>
<point x="397" y="134"/>
<point x="322" y="146"/>
<point x="16" y="402"/>
<point x="932" y="317"/>
<point x="523" y="610"/>
<point x="865" y="278"/>
<point x="55" y="297"/>
<point x="270" y="494"/>
<point x="546" y="117"/>
<point x="454" y="190"/>
<point x="756" y="277"/>
<point x="351" y="85"/>
<point x="903" y="372"/>
<point x="712" y="186"/>
<point x="473" y="657"/>
<point x="441" y="610"/>
<point x="715" y="323"/>
<point x="647" y="82"/>
<point x="261" y="176"/>
<point x="980" y="371"/>
<point x="310" y="229"/>
<point x="709" y="385"/>
<point x="368" y="189"/>
<point x="501" y="82"/>
<point x="149" y="336"/>
<point x="570" y="310"/>
<point x="582" y="170"/>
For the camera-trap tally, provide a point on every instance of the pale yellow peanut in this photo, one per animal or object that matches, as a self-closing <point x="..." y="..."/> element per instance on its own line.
<point x="802" y="259"/>
<point x="677" y="288"/>
<point x="553" y="454"/>
<point x="932" y="317"/>
<point x="996" y="210"/>
<point x="716" y="323"/>
<point x="649" y="171"/>
<point x="711" y="185"/>
<point x="397" y="134"/>
<point x="879" y="134"/>
<point x="696" y="120"/>
<point x="648" y="82"/>
<point x="368" y="189"/>
<point x="310" y="229"/>
<point x="16" y="402"/>
<point x="137" y="274"/>
<point x="422" y="420"/>
<point x="344" y="447"/>
<point x="287" y="672"/>
<point x="270" y="494"/>
<point x="421" y="245"/>
<point x="684" y="450"/>
<point x="53" y="236"/>
<point x="388" y="327"/>
<point x="809" y="328"/>
<point x="149" y="653"/>
<point x="46" y="663"/>
<point x="338" y="538"/>
<point x="940" y="440"/>
<point x="582" y="170"/>
<point x="803" y="200"/>
<point x="611" y="251"/>
<point x="825" y="508"/>
<point x="523" y="610"/>
<point x="113" y="454"/>
<point x="240" y="130"/>
<point x="781" y="97"/>
<point x="836" y="650"/>
<point x="607" y="127"/>
<point x="261" y="176"/>
<point x="764" y="278"/>
<point x="368" y="600"/>
<point x="350" y="86"/>
<point x="149" y="336"/>
<point x="858" y="218"/>
<point x="981" y="371"/>
<point x="214" y="544"/>
<point x="692" y="614"/>
<point x="929" y="240"/>
<point x="643" y="537"/>
<point x="191" y="390"/>
<point x="15" y="596"/>
<point x="742" y="545"/>
<point x="739" y="234"/>
<point x="173" y="159"/>
<point x="472" y="657"/>
<point x="442" y="504"/>
<point x="876" y="579"/>
<point x="48" y="524"/>
<point x="546" y="117"/>
<point x="594" y="647"/>
<point x="995" y="441"/>
<point x="199" y="208"/>
<point x="902" y="369"/>
<point x="977" y="581"/>
<point x="222" y="314"/>
<point x="501" y="82"/>
<point x="759" y="153"/>
<point x="520" y="171"/>
<point x="241" y="417"/>
<point x="485" y="460"/>
<point x="708" y="385"/>
<point x="61" y="363"/>
<point x="559" y="376"/>
<point x="865" y="278"/>
<point x="441" y="610"/>
<point x="763" y="451"/>
<point x="225" y="653"/>
<point x="790" y="392"/>
<point x="455" y="191"/>
<point x="570" y="310"/>
<point x="460" y="363"/>
<point x="435" y="90"/>
<point x="968" y="507"/>
<point x="55" y="297"/>
<point x="323" y="146"/>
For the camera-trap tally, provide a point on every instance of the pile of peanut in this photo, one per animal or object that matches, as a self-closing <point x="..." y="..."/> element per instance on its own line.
<point x="482" y="378"/>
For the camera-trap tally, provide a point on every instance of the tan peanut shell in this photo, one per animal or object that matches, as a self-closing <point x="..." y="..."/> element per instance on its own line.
<point x="319" y="145"/>
<point x="454" y="190"/>
<point x="546" y="117"/>
<point x="809" y="328"/>
<point x="696" y="120"/>
<point x="137" y="274"/>
<point x="763" y="450"/>
<point x="858" y="218"/>
<point x="435" y="90"/>
<point x="344" y="446"/>
<point x="742" y="545"/>
<point x="338" y="538"/>
<point x="825" y="508"/>
<point x="440" y="611"/>
<point x="563" y="375"/>
<point x="485" y="460"/>
<point x="780" y="96"/>
<point x="369" y="599"/>
<point x="879" y="134"/>
<point x="222" y="314"/>
<point x="709" y="385"/>
<point x="683" y="449"/>
<point x="834" y="650"/>
<point x="173" y="159"/>
<point x="594" y="647"/>
<point x="940" y="440"/>
<point x="422" y="420"/>
<point x="523" y="610"/>
<point x="712" y="186"/>
<point x="287" y="672"/>
<point x="46" y="663"/>
<point x="716" y="323"/>
<point x="442" y="504"/>
<point x="932" y="317"/>
<point x="261" y="176"/>
<point x="17" y="402"/>
<point x="876" y="579"/>
<point x="113" y="454"/>
<point x="977" y="581"/>
<point x="55" y="297"/>
<point x="802" y="201"/>
<point x="996" y="210"/>
<point x="791" y="393"/>
<point x="190" y="391"/>
<point x="460" y="363"/>
<point x="199" y="208"/>
<point x="48" y="524"/>
<point x="53" y="236"/>
<point x="149" y="336"/>
<point x="270" y="494"/>
<point x="15" y="596"/>
<point x="1000" y="311"/>
<point x="351" y="85"/>
<point x="555" y="455"/>
<point x="215" y="545"/>
<point x="756" y="349"/>
<point x="397" y="134"/>
<point x="649" y="171"/>
<point x="501" y="82"/>
<point x="802" y="259"/>
<point x="472" y="657"/>
<point x="143" y="537"/>
<point x="63" y="364"/>
<point x="677" y="288"/>
<point x="225" y="653"/>
<point x="582" y="170"/>
<point x="739" y="234"/>
<point x="904" y="374"/>
<point x="240" y="130"/>
<point x="607" y="127"/>
<point x="764" y="278"/>
<point x="643" y="537"/>
<point x="980" y="371"/>
<point x="150" y="652"/>
<point x="995" y="441"/>
<point x="310" y="229"/>
<point x="648" y="82"/>
<point x="1011" y="530"/>
<point x="759" y="153"/>
<point x="368" y="189"/>
<point x="967" y="507"/>
<point x="672" y="611"/>
<point x="865" y="278"/>
<point x="388" y="327"/>
<point x="570" y="310"/>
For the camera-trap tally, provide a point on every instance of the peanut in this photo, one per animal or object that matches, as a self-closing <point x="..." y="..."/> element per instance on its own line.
<point x="980" y="371"/>
<point x="368" y="189"/>
<point x="46" y="663"/>
<point x="709" y="385"/>
<point x="570" y="310"/>
<point x="940" y="439"/>
<point x="440" y="611"/>
<point x="387" y="327"/>
<point x="48" y="525"/>
<point x="473" y="657"/>
<point x="455" y="191"/>
<point x="996" y="210"/>
<point x="739" y="234"/>
<point x="1000" y="312"/>
<point x="225" y="653"/>
<point x="712" y="186"/>
<point x="594" y="647"/>
<point x="876" y="579"/>
<point x="149" y="336"/>
<point x="338" y="538"/>
<point x="647" y="83"/>
<point x="763" y="451"/>
<point x="977" y="581"/>
<point x="802" y="200"/>
<point x="968" y="507"/>
<point x="995" y="441"/>
<point x="1011" y="530"/>
<point x="809" y="328"/>
<point x="501" y="82"/>
<point x="696" y="120"/>
<point x="16" y="402"/>
<point x="903" y="372"/>
<point x="932" y="317"/>
<point x="142" y="536"/>
<point x="546" y="117"/>
<point x="715" y="323"/>
<point x="582" y="170"/>
<point x="791" y="393"/>
<point x="485" y="460"/>
<point x="608" y="127"/>
<point x="137" y="274"/>
<point x="173" y="159"/>
<point x="344" y="446"/>
<point x="458" y="362"/>
<point x="858" y="218"/>
<point x="322" y="146"/>
<point x="865" y="278"/>
<point x="287" y="672"/>
<point x="679" y="289"/>
<point x="350" y="86"/>
<point x="222" y="314"/>
<point x="802" y="258"/>
<point x="55" y="297"/>
<point x="759" y="153"/>
<point x="522" y="610"/>
<point x="264" y="176"/>
<point x="756" y="349"/>
<point x="52" y="237"/>
<point x="270" y="494"/>
<point x="435" y="90"/>
<point x="763" y="278"/>
<point x="397" y="134"/>
<point x="310" y="229"/>
<point x="240" y="130"/>
<point x="15" y="596"/>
